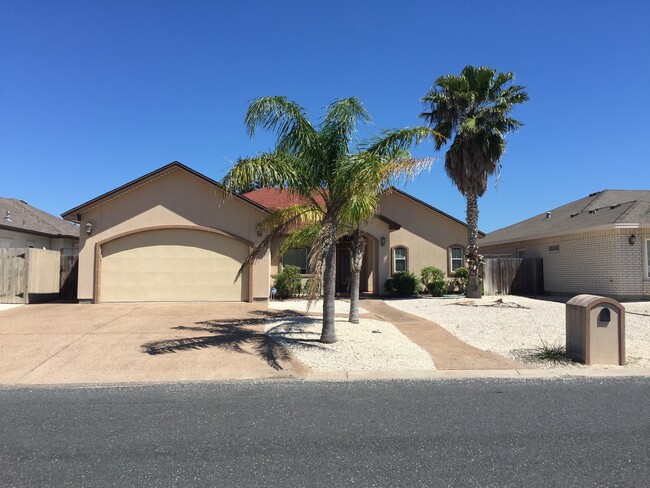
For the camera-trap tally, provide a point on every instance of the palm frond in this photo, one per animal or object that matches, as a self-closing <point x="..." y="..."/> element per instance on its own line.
<point x="339" y="126"/>
<point x="287" y="120"/>
<point x="301" y="237"/>
<point x="325" y="239"/>
<point x="266" y="170"/>
<point x="397" y="140"/>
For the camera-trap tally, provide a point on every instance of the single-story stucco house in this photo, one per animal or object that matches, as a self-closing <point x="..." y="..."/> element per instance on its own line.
<point x="598" y="245"/>
<point x="175" y="235"/>
<point x="24" y="226"/>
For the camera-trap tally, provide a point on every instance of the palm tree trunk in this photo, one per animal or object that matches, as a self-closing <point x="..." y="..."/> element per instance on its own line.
<point x="473" y="260"/>
<point x="328" y="334"/>
<point x="356" y="257"/>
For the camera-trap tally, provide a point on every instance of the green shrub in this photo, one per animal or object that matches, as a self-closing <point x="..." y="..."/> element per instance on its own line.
<point x="433" y="280"/>
<point x="459" y="283"/>
<point x="402" y="284"/>
<point x="288" y="282"/>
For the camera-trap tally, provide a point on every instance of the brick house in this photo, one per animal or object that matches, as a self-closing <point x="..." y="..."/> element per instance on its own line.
<point x="599" y="244"/>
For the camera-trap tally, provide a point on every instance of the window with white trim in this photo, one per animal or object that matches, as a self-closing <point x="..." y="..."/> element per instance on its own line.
<point x="456" y="258"/>
<point x="647" y="258"/>
<point x="296" y="257"/>
<point x="399" y="259"/>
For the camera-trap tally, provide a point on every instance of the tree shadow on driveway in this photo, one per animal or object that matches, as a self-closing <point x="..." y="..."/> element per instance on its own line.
<point x="240" y="335"/>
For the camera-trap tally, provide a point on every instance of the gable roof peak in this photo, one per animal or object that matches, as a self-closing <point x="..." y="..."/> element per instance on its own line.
<point x="73" y="213"/>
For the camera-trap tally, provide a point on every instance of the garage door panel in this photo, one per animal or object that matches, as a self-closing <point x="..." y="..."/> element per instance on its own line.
<point x="173" y="265"/>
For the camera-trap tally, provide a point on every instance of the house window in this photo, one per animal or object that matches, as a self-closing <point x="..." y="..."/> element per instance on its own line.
<point x="399" y="259"/>
<point x="521" y="253"/>
<point x="296" y="257"/>
<point x="647" y="258"/>
<point x="554" y="248"/>
<point x="456" y="258"/>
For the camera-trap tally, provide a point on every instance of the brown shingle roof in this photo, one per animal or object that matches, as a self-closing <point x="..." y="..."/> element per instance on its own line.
<point x="605" y="208"/>
<point x="23" y="217"/>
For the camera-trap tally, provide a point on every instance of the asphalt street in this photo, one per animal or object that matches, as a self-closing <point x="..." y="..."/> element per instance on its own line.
<point x="553" y="432"/>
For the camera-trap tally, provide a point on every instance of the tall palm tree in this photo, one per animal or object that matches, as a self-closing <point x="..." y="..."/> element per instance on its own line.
<point x="320" y="165"/>
<point x="473" y="109"/>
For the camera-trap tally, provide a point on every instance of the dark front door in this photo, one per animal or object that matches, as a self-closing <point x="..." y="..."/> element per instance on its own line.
<point x="343" y="270"/>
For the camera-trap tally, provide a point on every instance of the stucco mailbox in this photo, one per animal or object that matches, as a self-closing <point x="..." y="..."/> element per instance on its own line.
<point x="595" y="330"/>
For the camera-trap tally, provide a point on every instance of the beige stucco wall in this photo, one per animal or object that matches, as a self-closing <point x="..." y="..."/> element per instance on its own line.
<point x="380" y="254"/>
<point x="17" y="239"/>
<point x="598" y="263"/>
<point x="426" y="234"/>
<point x="174" y="198"/>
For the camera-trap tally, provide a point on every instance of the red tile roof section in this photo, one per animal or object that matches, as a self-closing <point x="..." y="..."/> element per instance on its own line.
<point x="274" y="198"/>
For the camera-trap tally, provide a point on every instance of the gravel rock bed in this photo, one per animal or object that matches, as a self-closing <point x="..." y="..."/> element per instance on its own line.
<point x="515" y="326"/>
<point x="298" y="305"/>
<point x="370" y="345"/>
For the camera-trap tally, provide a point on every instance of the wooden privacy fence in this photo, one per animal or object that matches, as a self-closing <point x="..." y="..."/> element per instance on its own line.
<point x="513" y="276"/>
<point x="69" y="277"/>
<point x="30" y="275"/>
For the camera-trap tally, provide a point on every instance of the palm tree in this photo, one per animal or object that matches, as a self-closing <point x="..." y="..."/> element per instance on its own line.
<point x="473" y="108"/>
<point x="318" y="165"/>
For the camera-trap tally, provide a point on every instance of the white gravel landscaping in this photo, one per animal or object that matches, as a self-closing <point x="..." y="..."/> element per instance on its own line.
<point x="298" y="305"/>
<point x="370" y="345"/>
<point x="516" y="326"/>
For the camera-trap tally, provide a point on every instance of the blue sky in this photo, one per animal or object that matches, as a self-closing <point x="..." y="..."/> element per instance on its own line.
<point x="95" y="94"/>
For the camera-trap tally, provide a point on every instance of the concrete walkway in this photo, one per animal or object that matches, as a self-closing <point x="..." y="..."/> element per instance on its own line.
<point x="448" y="352"/>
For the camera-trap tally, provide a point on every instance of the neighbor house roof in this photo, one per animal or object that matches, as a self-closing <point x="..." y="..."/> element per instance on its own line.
<point x="600" y="210"/>
<point x="19" y="215"/>
<point x="74" y="213"/>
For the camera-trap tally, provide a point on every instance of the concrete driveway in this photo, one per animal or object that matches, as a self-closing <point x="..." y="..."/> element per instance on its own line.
<point x="60" y="343"/>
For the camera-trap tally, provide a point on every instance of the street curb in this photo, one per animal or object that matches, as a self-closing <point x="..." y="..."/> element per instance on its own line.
<point x="467" y="374"/>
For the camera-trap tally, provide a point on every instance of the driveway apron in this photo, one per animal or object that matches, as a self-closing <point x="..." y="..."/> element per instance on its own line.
<point x="60" y="343"/>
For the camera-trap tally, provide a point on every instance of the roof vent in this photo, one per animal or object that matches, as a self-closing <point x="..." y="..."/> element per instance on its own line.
<point x="593" y="211"/>
<point x="548" y="215"/>
<point x="8" y="216"/>
<point x="575" y="214"/>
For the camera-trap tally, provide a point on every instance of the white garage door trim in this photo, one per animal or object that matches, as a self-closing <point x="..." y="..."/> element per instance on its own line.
<point x="248" y="276"/>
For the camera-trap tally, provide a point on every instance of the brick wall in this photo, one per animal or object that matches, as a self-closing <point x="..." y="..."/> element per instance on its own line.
<point x="601" y="263"/>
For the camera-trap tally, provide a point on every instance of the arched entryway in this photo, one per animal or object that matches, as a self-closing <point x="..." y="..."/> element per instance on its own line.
<point x="368" y="282"/>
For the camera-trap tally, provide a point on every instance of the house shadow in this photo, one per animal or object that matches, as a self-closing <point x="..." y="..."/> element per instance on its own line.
<point x="242" y="335"/>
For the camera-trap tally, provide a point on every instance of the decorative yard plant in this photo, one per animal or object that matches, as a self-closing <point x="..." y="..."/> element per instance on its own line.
<point x="459" y="284"/>
<point x="402" y="284"/>
<point x="433" y="280"/>
<point x="288" y="282"/>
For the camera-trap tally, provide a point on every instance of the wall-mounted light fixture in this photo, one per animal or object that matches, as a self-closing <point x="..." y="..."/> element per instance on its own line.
<point x="89" y="228"/>
<point x="259" y="230"/>
<point x="382" y="241"/>
<point x="632" y="240"/>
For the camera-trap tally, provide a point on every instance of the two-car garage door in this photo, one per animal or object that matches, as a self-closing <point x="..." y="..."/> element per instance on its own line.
<point x="178" y="265"/>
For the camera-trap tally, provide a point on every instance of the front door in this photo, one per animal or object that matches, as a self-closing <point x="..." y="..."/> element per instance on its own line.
<point x="343" y="270"/>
